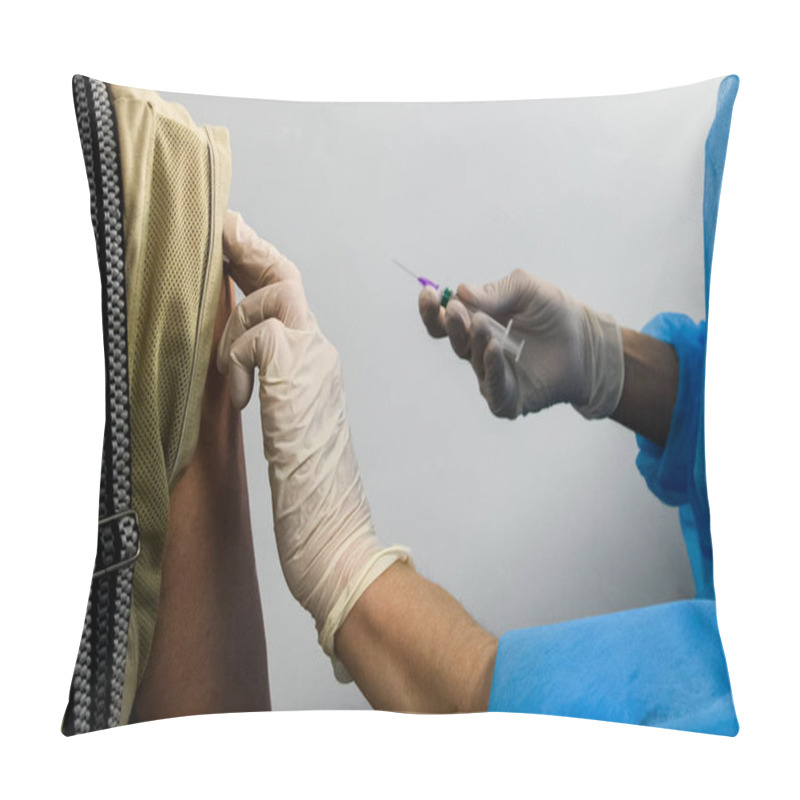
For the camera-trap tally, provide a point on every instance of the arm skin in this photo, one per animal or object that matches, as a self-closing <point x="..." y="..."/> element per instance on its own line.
<point x="650" y="388"/>
<point x="209" y="651"/>
<point x="410" y="646"/>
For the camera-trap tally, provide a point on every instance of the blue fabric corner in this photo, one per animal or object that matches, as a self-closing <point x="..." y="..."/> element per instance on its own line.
<point x="661" y="666"/>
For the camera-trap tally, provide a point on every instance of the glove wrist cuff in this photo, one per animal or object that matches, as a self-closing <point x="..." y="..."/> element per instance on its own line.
<point x="373" y="569"/>
<point x="606" y="366"/>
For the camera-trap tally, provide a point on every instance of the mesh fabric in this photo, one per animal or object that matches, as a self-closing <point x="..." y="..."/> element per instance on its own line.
<point x="175" y="181"/>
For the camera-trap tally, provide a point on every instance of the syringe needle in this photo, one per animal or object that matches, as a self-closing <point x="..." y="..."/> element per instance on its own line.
<point x="419" y="279"/>
<point x="510" y="344"/>
<point x="406" y="269"/>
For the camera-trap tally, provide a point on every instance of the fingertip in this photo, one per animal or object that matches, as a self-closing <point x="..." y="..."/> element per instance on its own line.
<point x="524" y="282"/>
<point x="456" y="310"/>
<point x="253" y="349"/>
<point x="458" y="325"/>
<point x="231" y="218"/>
<point x="427" y="300"/>
<point x="234" y="328"/>
<point x="493" y="358"/>
<point x="497" y="385"/>
<point x="480" y="324"/>
<point x="432" y="313"/>
<point x="468" y="292"/>
<point x="232" y="225"/>
<point x="240" y="382"/>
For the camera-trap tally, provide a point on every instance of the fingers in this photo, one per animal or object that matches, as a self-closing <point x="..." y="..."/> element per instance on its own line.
<point x="252" y="349"/>
<point x="502" y="299"/>
<point x="458" y="325"/>
<point x="495" y="375"/>
<point x="480" y="334"/>
<point x="498" y="386"/>
<point x="453" y="321"/>
<point x="432" y="313"/>
<point x="251" y="261"/>
<point x="284" y="301"/>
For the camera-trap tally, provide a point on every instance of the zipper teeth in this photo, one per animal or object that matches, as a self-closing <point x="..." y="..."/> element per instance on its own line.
<point x="207" y="271"/>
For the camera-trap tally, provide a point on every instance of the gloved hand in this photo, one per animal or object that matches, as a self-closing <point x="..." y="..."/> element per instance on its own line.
<point x="571" y="354"/>
<point x="327" y="547"/>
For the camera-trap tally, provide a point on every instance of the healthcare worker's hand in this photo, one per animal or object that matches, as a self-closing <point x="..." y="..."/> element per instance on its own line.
<point x="323" y="526"/>
<point x="571" y="354"/>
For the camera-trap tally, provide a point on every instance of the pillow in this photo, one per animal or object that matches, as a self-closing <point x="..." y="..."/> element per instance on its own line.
<point x="584" y="546"/>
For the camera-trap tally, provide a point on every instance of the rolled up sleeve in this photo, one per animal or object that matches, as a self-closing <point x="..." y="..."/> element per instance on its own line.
<point x="669" y="470"/>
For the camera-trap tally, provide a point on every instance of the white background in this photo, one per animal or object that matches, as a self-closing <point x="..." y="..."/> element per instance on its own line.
<point x="52" y="400"/>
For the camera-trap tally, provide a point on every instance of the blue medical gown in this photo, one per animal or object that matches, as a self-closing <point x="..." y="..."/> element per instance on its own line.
<point x="660" y="665"/>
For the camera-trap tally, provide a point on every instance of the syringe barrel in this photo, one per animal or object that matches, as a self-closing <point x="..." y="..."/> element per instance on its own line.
<point x="511" y="344"/>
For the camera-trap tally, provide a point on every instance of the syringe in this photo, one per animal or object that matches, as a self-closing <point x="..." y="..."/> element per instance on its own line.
<point x="510" y="344"/>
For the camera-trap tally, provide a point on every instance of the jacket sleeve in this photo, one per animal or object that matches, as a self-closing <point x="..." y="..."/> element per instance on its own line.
<point x="669" y="470"/>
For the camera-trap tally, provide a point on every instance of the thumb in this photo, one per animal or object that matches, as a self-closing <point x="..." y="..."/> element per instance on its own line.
<point x="502" y="299"/>
<point x="252" y="261"/>
<point x="252" y="349"/>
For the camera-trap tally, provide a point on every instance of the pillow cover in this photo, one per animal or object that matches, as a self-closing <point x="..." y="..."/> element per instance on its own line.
<point x="586" y="547"/>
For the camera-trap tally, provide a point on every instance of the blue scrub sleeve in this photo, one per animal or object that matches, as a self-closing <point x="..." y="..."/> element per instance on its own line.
<point x="670" y="470"/>
<point x="661" y="666"/>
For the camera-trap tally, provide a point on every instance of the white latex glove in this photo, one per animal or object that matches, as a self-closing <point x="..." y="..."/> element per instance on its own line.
<point x="571" y="354"/>
<point x="327" y="547"/>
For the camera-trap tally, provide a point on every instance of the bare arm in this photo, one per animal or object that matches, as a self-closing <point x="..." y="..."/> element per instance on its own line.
<point x="411" y="647"/>
<point x="209" y="652"/>
<point x="650" y="388"/>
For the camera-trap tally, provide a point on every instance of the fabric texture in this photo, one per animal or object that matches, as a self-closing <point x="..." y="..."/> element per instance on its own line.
<point x="663" y="665"/>
<point x="176" y="178"/>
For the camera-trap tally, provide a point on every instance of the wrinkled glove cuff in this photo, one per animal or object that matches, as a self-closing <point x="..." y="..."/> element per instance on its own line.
<point x="606" y="364"/>
<point x="373" y="569"/>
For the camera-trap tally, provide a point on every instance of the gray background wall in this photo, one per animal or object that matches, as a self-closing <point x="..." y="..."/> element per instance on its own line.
<point x="527" y="522"/>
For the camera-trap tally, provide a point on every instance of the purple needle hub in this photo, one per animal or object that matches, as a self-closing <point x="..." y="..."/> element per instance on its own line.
<point x="426" y="282"/>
